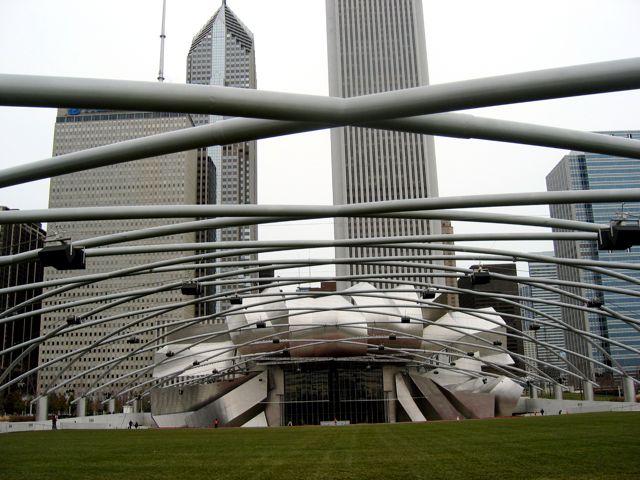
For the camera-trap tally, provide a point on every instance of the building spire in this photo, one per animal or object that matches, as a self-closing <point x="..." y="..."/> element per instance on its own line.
<point x="162" y="37"/>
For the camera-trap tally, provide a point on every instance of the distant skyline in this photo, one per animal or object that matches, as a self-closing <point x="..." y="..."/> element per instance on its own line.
<point x="465" y="39"/>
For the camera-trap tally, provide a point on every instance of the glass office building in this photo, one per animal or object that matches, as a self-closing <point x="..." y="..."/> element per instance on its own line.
<point x="222" y="54"/>
<point x="546" y="316"/>
<point x="588" y="171"/>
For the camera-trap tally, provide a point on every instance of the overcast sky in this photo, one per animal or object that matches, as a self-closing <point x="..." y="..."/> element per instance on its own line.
<point x="465" y="39"/>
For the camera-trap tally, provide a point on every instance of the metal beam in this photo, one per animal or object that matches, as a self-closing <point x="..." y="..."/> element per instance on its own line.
<point x="587" y="79"/>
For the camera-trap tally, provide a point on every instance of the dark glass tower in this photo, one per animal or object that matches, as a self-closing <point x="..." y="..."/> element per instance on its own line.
<point x="588" y="171"/>
<point x="15" y="239"/>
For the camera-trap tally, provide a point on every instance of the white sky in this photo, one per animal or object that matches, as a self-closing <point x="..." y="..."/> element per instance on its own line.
<point x="465" y="39"/>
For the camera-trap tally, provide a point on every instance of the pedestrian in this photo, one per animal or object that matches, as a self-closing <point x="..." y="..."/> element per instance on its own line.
<point x="54" y="422"/>
<point x="130" y="424"/>
<point x="136" y="425"/>
<point x="542" y="412"/>
<point x="216" y="422"/>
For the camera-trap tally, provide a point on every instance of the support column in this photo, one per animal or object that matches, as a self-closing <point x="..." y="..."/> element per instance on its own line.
<point x="111" y="405"/>
<point x="533" y="391"/>
<point x="587" y="388"/>
<point x="629" y="389"/>
<point x="42" y="406"/>
<point x="557" y="391"/>
<point x="81" y="407"/>
<point x="135" y="406"/>
<point x="391" y="407"/>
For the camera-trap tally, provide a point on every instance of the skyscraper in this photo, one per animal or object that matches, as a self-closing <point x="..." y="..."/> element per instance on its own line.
<point x="168" y="179"/>
<point x="588" y="171"/>
<point x="222" y="54"/>
<point x="15" y="239"/>
<point x="550" y="334"/>
<point x="375" y="47"/>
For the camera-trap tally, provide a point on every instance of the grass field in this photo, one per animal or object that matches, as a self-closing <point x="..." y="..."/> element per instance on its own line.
<point x="589" y="446"/>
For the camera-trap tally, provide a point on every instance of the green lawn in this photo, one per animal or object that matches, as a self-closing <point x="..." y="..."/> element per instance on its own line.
<point x="572" y="447"/>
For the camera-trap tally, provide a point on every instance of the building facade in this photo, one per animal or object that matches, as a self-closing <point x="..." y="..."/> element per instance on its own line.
<point x="317" y="361"/>
<point x="376" y="47"/>
<point x="587" y="171"/>
<point x="222" y="54"/>
<point x="547" y="318"/>
<point x="169" y="180"/>
<point x="16" y="239"/>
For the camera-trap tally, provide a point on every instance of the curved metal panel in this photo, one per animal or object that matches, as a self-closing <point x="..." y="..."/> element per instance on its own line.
<point x="324" y="332"/>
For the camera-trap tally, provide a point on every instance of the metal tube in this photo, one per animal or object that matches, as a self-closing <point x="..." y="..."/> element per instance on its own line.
<point x="41" y="91"/>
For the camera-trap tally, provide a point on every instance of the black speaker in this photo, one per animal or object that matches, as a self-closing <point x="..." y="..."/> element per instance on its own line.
<point x="191" y="288"/>
<point x="480" y="277"/>
<point x="63" y="257"/>
<point x="594" y="303"/>
<point x="429" y="293"/>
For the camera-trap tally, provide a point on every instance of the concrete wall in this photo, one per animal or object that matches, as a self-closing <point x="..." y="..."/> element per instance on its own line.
<point x="117" y="421"/>
<point x="554" y="407"/>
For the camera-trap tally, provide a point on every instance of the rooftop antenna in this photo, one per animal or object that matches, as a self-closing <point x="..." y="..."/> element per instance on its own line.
<point x="162" y="37"/>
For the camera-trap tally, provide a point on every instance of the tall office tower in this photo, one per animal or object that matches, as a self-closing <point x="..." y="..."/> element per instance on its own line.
<point x="15" y="239"/>
<point x="375" y="47"/>
<point x="450" y="299"/>
<point x="510" y="312"/>
<point x="222" y="54"/>
<point x="588" y="171"/>
<point x="169" y="180"/>
<point x="546" y="322"/>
